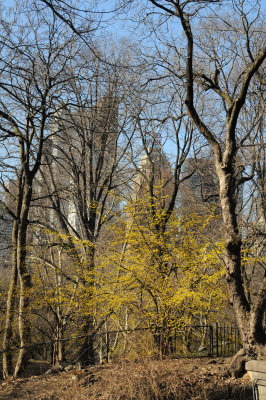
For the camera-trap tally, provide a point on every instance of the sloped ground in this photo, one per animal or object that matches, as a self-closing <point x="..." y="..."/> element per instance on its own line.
<point x="182" y="379"/>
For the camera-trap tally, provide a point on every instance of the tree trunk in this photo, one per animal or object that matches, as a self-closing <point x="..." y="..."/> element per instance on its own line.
<point x="58" y="345"/>
<point x="11" y="300"/>
<point x="249" y="317"/>
<point x="24" y="301"/>
<point x="86" y="352"/>
<point x="25" y="284"/>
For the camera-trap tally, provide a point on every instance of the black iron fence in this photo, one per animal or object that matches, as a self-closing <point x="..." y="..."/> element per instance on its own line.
<point x="224" y="340"/>
<point x="218" y="340"/>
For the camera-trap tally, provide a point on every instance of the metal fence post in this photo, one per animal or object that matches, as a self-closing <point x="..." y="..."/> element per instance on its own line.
<point x="231" y="339"/>
<point x="52" y="352"/>
<point x="211" y="340"/>
<point x="217" y="338"/>
<point x="107" y="346"/>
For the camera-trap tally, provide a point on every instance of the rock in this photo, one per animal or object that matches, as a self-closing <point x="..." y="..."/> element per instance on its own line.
<point x="51" y="371"/>
<point x="59" y="367"/>
<point x="77" y="376"/>
<point x="73" y="367"/>
<point x="55" y="370"/>
<point x="70" y="368"/>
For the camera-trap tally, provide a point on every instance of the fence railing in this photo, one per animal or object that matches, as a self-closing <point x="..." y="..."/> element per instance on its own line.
<point x="225" y="340"/>
<point x="218" y="340"/>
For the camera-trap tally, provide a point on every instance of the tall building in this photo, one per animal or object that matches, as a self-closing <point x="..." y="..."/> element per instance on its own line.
<point x="154" y="164"/>
<point x="201" y="189"/>
<point x="6" y="224"/>
<point x="79" y="157"/>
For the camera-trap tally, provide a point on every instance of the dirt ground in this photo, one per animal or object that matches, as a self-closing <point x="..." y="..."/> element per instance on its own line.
<point x="173" y="379"/>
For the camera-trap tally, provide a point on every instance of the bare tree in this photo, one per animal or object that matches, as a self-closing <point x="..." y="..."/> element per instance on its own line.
<point x="219" y="60"/>
<point x="33" y="62"/>
<point x="85" y="169"/>
<point x="222" y="58"/>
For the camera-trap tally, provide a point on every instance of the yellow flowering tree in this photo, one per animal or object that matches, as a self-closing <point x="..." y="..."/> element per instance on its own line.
<point x="163" y="276"/>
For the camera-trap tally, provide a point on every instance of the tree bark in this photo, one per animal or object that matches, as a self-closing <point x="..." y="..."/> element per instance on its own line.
<point x="25" y="284"/>
<point x="10" y="312"/>
<point x="249" y="318"/>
